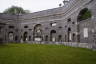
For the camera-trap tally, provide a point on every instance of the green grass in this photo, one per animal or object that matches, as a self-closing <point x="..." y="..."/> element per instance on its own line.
<point x="45" y="54"/>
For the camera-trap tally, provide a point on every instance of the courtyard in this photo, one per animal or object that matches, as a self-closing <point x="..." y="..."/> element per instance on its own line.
<point x="45" y="54"/>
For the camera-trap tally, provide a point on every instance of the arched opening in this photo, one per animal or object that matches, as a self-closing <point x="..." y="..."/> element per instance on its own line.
<point x="29" y="38"/>
<point x="53" y="35"/>
<point x="46" y="38"/>
<point x="25" y="36"/>
<point x="69" y="34"/>
<point x="16" y="38"/>
<point x="60" y="38"/>
<point x="37" y="33"/>
<point x="84" y="14"/>
<point x="22" y="39"/>
<point x="11" y="36"/>
<point x="78" y="38"/>
<point x="73" y="37"/>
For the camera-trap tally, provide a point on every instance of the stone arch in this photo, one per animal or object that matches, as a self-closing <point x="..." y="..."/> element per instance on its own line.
<point x="11" y="36"/>
<point x="37" y="33"/>
<point x="73" y="37"/>
<point x="46" y="38"/>
<point x="25" y="36"/>
<point x="16" y="38"/>
<point x="69" y="34"/>
<point x="84" y="14"/>
<point x="59" y="38"/>
<point x="29" y="38"/>
<point x="53" y="35"/>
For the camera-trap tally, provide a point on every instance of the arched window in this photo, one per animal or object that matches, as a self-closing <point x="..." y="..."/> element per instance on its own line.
<point x="84" y="14"/>
<point x="59" y="38"/>
<point x="37" y="33"/>
<point x="25" y="36"/>
<point x="11" y="36"/>
<point x="46" y="38"/>
<point x="53" y="35"/>
<point x="69" y="35"/>
<point x="73" y="37"/>
<point x="29" y="38"/>
<point x="16" y="38"/>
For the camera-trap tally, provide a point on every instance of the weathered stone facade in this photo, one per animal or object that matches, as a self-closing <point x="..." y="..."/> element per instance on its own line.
<point x="54" y="25"/>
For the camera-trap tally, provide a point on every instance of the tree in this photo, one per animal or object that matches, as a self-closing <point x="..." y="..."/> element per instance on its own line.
<point x="15" y="10"/>
<point x="84" y="14"/>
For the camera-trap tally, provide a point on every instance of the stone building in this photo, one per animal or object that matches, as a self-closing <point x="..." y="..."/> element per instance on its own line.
<point x="62" y="24"/>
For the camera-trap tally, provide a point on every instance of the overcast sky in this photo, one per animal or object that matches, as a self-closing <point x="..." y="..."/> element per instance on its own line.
<point x="32" y="5"/>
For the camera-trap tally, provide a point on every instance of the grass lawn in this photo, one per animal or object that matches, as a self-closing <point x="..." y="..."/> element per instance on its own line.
<point x="45" y="54"/>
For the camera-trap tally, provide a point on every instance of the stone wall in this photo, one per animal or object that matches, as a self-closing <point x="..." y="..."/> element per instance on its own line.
<point x="65" y="18"/>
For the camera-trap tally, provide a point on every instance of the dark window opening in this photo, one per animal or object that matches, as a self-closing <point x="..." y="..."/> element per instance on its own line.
<point x="78" y="38"/>
<point x="60" y="38"/>
<point x="69" y="34"/>
<point x="25" y="26"/>
<point x="46" y="38"/>
<point x="73" y="38"/>
<point x="11" y="26"/>
<point x="25" y="36"/>
<point x="53" y="31"/>
<point x="29" y="38"/>
<point x="69" y="20"/>
<point x="16" y="38"/>
<point x="73" y="22"/>
<point x="52" y="35"/>
<point x="60" y="27"/>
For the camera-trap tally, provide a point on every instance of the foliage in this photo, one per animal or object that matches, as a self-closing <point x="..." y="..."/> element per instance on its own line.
<point x="15" y="10"/>
<point x="45" y="54"/>
<point x="84" y="14"/>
